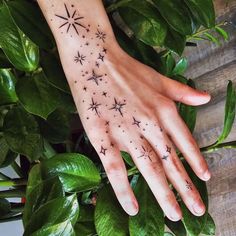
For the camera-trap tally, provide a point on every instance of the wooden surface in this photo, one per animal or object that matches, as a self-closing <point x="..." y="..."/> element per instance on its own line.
<point x="211" y="67"/>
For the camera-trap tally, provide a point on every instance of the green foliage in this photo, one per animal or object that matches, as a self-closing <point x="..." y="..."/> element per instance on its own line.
<point x="37" y="110"/>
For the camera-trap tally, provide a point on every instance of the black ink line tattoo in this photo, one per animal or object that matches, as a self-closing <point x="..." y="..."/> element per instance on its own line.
<point x="189" y="185"/>
<point x="100" y="57"/>
<point x="136" y="122"/>
<point x="79" y="58"/>
<point x="94" y="107"/>
<point x="70" y="20"/>
<point x="85" y="89"/>
<point x="103" y="150"/>
<point x="164" y="157"/>
<point x="95" y="77"/>
<point x="104" y="94"/>
<point x="107" y="123"/>
<point x="101" y="35"/>
<point x="168" y="149"/>
<point x="145" y="153"/>
<point x="117" y="106"/>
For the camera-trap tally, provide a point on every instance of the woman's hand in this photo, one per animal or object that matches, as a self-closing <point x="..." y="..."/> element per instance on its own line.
<point x="125" y="105"/>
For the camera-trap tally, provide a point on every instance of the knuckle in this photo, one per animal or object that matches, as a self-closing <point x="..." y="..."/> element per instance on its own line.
<point x="114" y="170"/>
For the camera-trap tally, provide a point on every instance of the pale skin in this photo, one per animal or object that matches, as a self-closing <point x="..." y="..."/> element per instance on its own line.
<point x="126" y="105"/>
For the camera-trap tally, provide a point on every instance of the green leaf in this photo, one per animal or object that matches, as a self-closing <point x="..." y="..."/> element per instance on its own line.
<point x="7" y="87"/>
<point x="110" y="218"/>
<point x="222" y="32"/>
<point x="53" y="212"/>
<point x="168" y="234"/>
<point x="203" y="10"/>
<point x="18" y="48"/>
<point x="145" y="21"/>
<point x="76" y="172"/>
<point x="86" y="213"/>
<point x="176" y="14"/>
<point x="128" y="159"/>
<point x="21" y="133"/>
<point x="168" y="63"/>
<point x="30" y="20"/>
<point x="149" y="212"/>
<point x="54" y="73"/>
<point x="64" y="228"/>
<point x="210" y="227"/>
<point x="5" y="207"/>
<point x="194" y="224"/>
<point x="189" y="113"/>
<point x="212" y="38"/>
<point x="43" y="192"/>
<point x="180" y="67"/>
<point x="4" y="63"/>
<point x="176" y="227"/>
<point x="230" y="107"/>
<point x="85" y="229"/>
<point x="37" y="95"/>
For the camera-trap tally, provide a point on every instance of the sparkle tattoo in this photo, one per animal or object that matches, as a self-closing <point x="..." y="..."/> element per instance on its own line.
<point x="94" y="107"/>
<point x="117" y="106"/>
<point x="164" y="157"/>
<point x="189" y="186"/>
<point x="168" y="149"/>
<point x="101" y="35"/>
<point x="145" y="153"/>
<point x="100" y="57"/>
<point x="71" y="20"/>
<point x="136" y="122"/>
<point x="95" y="77"/>
<point x="79" y="58"/>
<point x="103" y="150"/>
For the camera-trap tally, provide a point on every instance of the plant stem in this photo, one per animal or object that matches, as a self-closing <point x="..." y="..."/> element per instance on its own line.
<point x="4" y="177"/>
<point x="13" y="182"/>
<point x="13" y="193"/>
<point x="17" y="169"/>
<point x="214" y="147"/>
<point x="133" y="171"/>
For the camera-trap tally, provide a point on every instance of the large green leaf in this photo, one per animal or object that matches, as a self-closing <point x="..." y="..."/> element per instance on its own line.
<point x="21" y="133"/>
<point x="45" y="191"/>
<point x="85" y="229"/>
<point x="76" y="172"/>
<point x="145" y="21"/>
<point x="65" y="228"/>
<point x="189" y="113"/>
<point x="37" y="95"/>
<point x="176" y="227"/>
<point x="194" y="224"/>
<point x="149" y="211"/>
<point x="53" y="212"/>
<point x="203" y="10"/>
<point x="7" y="87"/>
<point x="176" y="14"/>
<point x="128" y="159"/>
<point x="30" y="20"/>
<point x="209" y="227"/>
<point x="110" y="218"/>
<point x="19" y="49"/>
<point x="230" y="107"/>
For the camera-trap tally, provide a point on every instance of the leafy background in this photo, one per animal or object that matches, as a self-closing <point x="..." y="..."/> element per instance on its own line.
<point x="59" y="169"/>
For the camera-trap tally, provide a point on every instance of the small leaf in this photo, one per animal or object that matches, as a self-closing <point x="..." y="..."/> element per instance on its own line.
<point x="110" y="218"/>
<point x="53" y="212"/>
<point x="37" y="95"/>
<point x="18" y="48"/>
<point x="230" y="107"/>
<point x="128" y="159"/>
<point x="210" y="227"/>
<point x="222" y="32"/>
<point x="149" y="211"/>
<point x="22" y="134"/>
<point x="180" y="67"/>
<point x="7" y="87"/>
<point x="76" y="172"/>
<point x="212" y="38"/>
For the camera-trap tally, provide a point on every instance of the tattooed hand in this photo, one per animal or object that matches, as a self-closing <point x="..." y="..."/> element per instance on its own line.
<point x="126" y="105"/>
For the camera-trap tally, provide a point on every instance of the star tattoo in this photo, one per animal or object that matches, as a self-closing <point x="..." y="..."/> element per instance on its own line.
<point x="94" y="107"/>
<point x="145" y="153"/>
<point x="101" y="35"/>
<point x="95" y="77"/>
<point x="100" y="57"/>
<point x="168" y="149"/>
<point x="104" y="50"/>
<point x="189" y="185"/>
<point x="85" y="89"/>
<point x="71" y="20"/>
<point x="117" y="106"/>
<point x="103" y="150"/>
<point x="136" y="122"/>
<point x="104" y="94"/>
<point x="79" y="58"/>
<point x="164" y="157"/>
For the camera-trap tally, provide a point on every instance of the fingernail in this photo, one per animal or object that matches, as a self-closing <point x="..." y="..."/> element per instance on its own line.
<point x="131" y="208"/>
<point x="207" y="175"/>
<point x="198" y="208"/>
<point x="176" y="215"/>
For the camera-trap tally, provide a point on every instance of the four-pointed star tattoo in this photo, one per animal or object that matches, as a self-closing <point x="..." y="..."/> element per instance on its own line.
<point x="117" y="106"/>
<point x="71" y="20"/>
<point x="95" y="77"/>
<point x="136" y="122"/>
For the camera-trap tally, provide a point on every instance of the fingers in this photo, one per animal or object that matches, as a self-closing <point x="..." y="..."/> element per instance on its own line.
<point x="175" y="170"/>
<point x="183" y="139"/>
<point x="117" y="174"/>
<point x="151" y="168"/>
<point x="182" y="93"/>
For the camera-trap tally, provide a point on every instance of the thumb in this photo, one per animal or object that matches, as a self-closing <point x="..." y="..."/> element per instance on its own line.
<point x="183" y="93"/>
